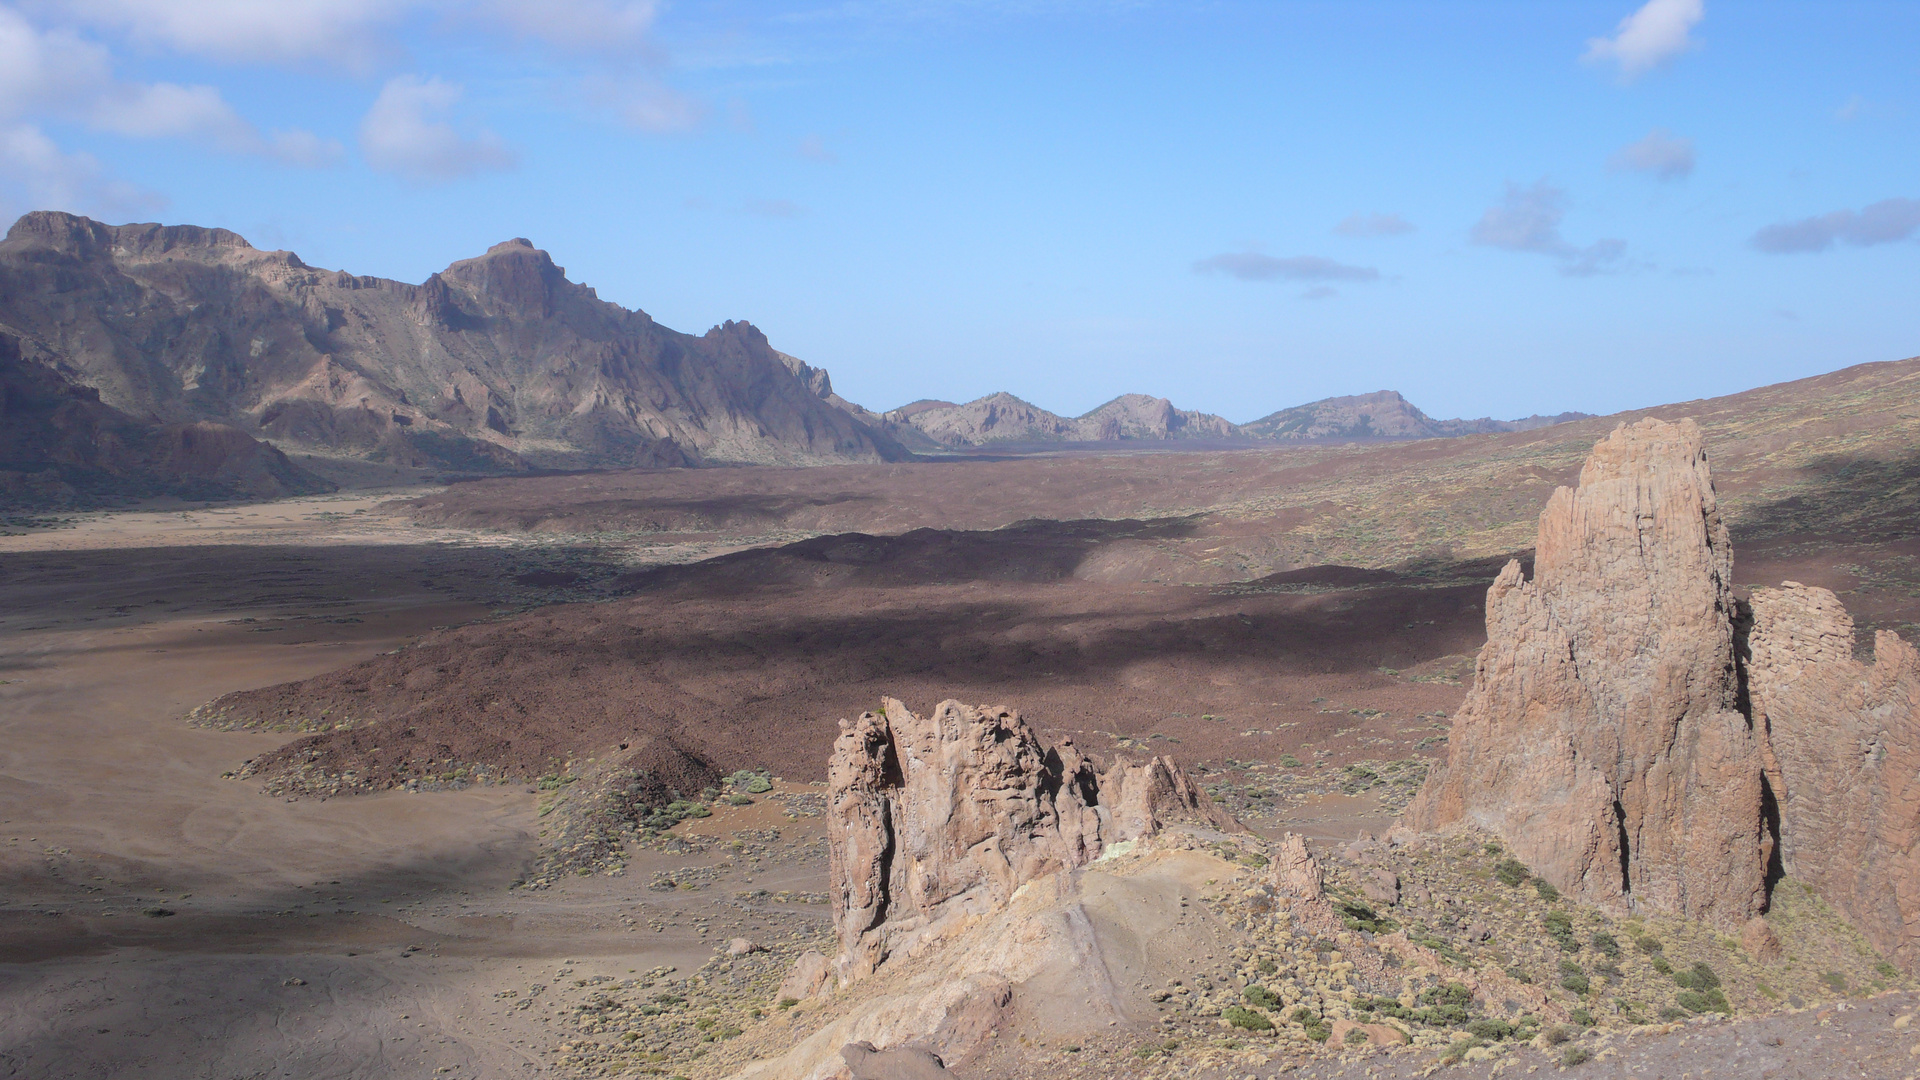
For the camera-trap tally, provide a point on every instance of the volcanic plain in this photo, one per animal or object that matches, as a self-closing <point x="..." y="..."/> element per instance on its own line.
<point x="341" y="785"/>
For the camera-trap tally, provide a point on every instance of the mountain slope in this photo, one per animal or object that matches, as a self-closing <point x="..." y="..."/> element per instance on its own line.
<point x="494" y="364"/>
<point x="61" y="446"/>
<point x="1003" y="418"/>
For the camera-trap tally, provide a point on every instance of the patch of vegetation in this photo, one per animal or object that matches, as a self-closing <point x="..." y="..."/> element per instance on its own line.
<point x="1246" y="1019"/>
<point x="1575" y="1055"/>
<point x="1511" y="872"/>
<point x="1835" y="981"/>
<point x="1545" y="891"/>
<point x="1606" y="945"/>
<point x="1261" y="997"/>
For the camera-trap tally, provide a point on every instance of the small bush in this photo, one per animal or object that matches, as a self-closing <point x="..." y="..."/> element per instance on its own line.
<point x="1668" y="1012"/>
<point x="1288" y="761"/>
<point x="1835" y="981"/>
<point x="1545" y="891"/>
<point x="1577" y="982"/>
<point x="1457" y="1051"/>
<point x="1318" y="1032"/>
<point x="1660" y="965"/>
<point x="1581" y="1017"/>
<point x="1886" y="970"/>
<point x="737" y="799"/>
<point x="1557" y="1034"/>
<point x="1304" y="1015"/>
<point x="1649" y="945"/>
<point x="1355" y="1037"/>
<point x="789" y="1002"/>
<point x="1266" y="967"/>
<point x="1261" y="997"/>
<point x="1246" y="1019"/>
<point x="1701" y="977"/>
<point x="1606" y="945"/>
<point x="1575" y="1055"/>
<point x="1493" y="1030"/>
<point x="1511" y="872"/>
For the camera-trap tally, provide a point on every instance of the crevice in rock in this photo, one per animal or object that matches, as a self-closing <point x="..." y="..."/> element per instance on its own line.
<point x="1626" y="849"/>
<point x="1770" y="816"/>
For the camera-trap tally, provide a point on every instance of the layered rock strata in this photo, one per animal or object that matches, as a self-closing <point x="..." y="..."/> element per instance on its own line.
<point x="935" y="819"/>
<point x="1603" y="737"/>
<point x="1845" y="768"/>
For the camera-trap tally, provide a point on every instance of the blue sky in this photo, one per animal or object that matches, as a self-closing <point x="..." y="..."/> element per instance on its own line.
<point x="1496" y="208"/>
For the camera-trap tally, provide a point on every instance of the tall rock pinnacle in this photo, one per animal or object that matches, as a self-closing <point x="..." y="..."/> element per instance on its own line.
<point x="1603" y="738"/>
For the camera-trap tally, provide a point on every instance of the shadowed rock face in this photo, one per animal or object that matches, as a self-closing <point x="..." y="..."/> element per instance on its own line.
<point x="1602" y="737"/>
<point x="1845" y="746"/>
<point x="933" y="819"/>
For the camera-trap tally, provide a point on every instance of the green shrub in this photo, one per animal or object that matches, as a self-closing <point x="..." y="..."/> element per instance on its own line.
<point x="1559" y="926"/>
<point x="1648" y="945"/>
<point x="789" y="1002"/>
<point x="1355" y="1036"/>
<point x="1288" y="761"/>
<point x="1575" y="1055"/>
<point x="1577" y="982"/>
<point x="1668" y="1012"/>
<point x="1318" y="1032"/>
<point x="1304" y="1015"/>
<point x="1261" y="996"/>
<point x="759" y="784"/>
<point x="1886" y="970"/>
<point x="1511" y="872"/>
<point x="1457" y="1051"/>
<point x="1581" y="1017"/>
<point x="1835" y="981"/>
<point x="1606" y="945"/>
<point x="1557" y="1034"/>
<point x="737" y="799"/>
<point x="1246" y="1018"/>
<point x="1701" y="1001"/>
<point x="1660" y="965"/>
<point x="1266" y="967"/>
<point x="1359" y="916"/>
<point x="1545" y="891"/>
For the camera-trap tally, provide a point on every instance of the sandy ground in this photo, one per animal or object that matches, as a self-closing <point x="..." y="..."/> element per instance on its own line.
<point x="159" y="921"/>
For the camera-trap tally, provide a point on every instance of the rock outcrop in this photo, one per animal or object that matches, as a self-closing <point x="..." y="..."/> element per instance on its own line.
<point x="1845" y="775"/>
<point x="932" y="820"/>
<point x="1603" y="737"/>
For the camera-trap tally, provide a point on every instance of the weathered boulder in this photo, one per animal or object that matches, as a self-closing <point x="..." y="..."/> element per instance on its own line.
<point x="934" y="819"/>
<point x="1296" y="874"/>
<point x="1845" y="773"/>
<point x="1602" y="738"/>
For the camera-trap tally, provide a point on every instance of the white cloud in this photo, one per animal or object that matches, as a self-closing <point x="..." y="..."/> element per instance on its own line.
<point x="1649" y="38"/>
<point x="1527" y="219"/>
<point x="355" y="33"/>
<point x="55" y="74"/>
<point x="35" y="174"/>
<point x="1374" y="225"/>
<point x="1660" y="153"/>
<point x="1850" y="109"/>
<point x="1885" y="222"/>
<point x="404" y="133"/>
<point x="1252" y="266"/>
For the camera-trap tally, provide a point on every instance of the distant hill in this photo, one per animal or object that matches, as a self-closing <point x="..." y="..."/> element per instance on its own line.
<point x="495" y="364"/>
<point x="1003" y="418"/>
<point x="1383" y="414"/>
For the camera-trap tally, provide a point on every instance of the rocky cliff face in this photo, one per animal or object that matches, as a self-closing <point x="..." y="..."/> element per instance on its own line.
<point x="493" y="364"/>
<point x="935" y="819"/>
<point x="1603" y="737"/>
<point x="1845" y="743"/>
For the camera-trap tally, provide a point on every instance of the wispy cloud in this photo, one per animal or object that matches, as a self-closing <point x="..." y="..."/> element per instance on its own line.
<point x="1649" y="38"/>
<point x="1850" y="109"/>
<point x="35" y="174"/>
<point x="1374" y="225"/>
<point x="405" y="133"/>
<point x="646" y="104"/>
<point x="1252" y="266"/>
<point x="1661" y="154"/>
<point x="814" y="148"/>
<point x="1527" y="219"/>
<point x="1885" y="222"/>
